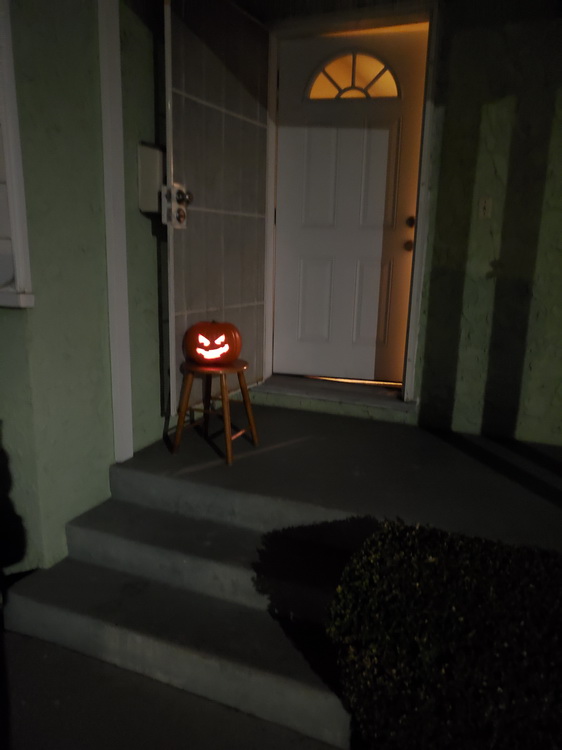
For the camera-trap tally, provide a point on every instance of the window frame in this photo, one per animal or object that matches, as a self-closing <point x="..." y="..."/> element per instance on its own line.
<point x="19" y="292"/>
<point x="354" y="54"/>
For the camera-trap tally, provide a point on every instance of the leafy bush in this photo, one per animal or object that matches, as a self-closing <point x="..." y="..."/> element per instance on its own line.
<point x="446" y="641"/>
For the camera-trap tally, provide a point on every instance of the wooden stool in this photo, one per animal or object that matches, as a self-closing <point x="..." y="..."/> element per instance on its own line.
<point x="190" y="370"/>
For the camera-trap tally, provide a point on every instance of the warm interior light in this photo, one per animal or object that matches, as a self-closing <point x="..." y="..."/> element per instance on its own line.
<point x="323" y="88"/>
<point x="354" y="76"/>
<point x="383" y="86"/>
<point x="353" y="94"/>
<point x="341" y="71"/>
<point x="385" y="383"/>
<point x="367" y="68"/>
<point x="404" y="28"/>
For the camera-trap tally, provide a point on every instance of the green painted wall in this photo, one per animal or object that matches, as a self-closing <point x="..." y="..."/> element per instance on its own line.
<point x="137" y="63"/>
<point x="540" y="413"/>
<point x="17" y="433"/>
<point x="60" y="458"/>
<point x="55" y="387"/>
<point x="491" y="358"/>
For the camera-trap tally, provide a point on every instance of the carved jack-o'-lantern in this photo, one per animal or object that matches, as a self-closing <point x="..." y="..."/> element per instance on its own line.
<point x="212" y="343"/>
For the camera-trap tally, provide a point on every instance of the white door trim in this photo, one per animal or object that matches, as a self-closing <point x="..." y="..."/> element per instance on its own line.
<point x="389" y="14"/>
<point x="115" y="227"/>
<point x="270" y="201"/>
<point x="171" y="358"/>
<point x="20" y="293"/>
<point x="429" y="126"/>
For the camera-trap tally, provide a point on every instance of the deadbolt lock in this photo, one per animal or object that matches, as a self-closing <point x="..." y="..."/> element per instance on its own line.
<point x="183" y="196"/>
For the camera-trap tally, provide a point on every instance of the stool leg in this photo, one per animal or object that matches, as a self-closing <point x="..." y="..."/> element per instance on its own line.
<point x="248" y="406"/>
<point x="184" y="403"/>
<point x="226" y="418"/>
<point x="207" y="384"/>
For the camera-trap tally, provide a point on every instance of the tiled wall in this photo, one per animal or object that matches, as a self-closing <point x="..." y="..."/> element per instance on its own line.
<point x="219" y="111"/>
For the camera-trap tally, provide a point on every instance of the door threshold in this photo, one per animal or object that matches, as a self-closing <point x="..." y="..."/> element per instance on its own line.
<point x="332" y="397"/>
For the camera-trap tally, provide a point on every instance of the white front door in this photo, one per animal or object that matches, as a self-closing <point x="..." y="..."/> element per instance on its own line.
<point x="347" y="184"/>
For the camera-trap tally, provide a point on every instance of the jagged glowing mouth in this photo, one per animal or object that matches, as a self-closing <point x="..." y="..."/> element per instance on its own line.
<point x="213" y="353"/>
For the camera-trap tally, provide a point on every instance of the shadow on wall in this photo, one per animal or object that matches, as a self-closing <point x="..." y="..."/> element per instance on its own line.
<point x="213" y="22"/>
<point x="522" y="62"/>
<point x="12" y="550"/>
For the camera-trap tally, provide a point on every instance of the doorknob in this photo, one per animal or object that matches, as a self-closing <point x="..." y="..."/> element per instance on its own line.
<point x="411" y="221"/>
<point x="409" y="245"/>
<point x="183" y="196"/>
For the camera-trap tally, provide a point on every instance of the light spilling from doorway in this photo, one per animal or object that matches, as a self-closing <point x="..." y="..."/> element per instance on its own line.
<point x="422" y="26"/>
<point x="385" y="383"/>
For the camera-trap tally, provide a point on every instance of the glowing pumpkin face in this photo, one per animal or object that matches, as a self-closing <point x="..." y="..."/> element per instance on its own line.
<point x="212" y="343"/>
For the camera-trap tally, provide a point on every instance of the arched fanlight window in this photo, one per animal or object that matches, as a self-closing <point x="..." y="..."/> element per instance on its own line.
<point x="354" y="76"/>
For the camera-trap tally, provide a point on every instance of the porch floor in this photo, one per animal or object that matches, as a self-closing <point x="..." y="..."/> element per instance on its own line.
<point x="467" y="484"/>
<point x="338" y="465"/>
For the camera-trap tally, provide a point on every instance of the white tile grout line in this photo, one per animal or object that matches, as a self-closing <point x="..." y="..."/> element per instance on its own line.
<point x="219" y="109"/>
<point x="221" y="211"/>
<point x="211" y="310"/>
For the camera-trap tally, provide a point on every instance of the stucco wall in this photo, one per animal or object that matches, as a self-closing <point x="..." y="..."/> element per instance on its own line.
<point x="16" y="424"/>
<point x="66" y="445"/>
<point x="492" y="358"/>
<point x="55" y="388"/>
<point x="540" y="412"/>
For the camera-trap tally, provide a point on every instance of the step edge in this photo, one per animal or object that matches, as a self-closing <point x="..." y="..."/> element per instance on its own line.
<point x="99" y="550"/>
<point x="174" y="559"/>
<point x="113" y="642"/>
<point x="244" y="507"/>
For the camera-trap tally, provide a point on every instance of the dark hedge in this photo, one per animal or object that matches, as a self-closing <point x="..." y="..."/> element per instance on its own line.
<point x="446" y="641"/>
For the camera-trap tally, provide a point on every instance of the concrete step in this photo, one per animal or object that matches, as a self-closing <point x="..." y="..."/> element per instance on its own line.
<point x="177" y="493"/>
<point x="229" y="653"/>
<point x="190" y="553"/>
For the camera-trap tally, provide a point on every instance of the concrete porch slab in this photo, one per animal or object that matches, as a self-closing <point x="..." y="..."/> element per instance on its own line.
<point x="347" y="466"/>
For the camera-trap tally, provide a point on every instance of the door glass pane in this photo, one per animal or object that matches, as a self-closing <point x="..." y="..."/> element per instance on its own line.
<point x="384" y="86"/>
<point x="323" y="88"/>
<point x="367" y="69"/>
<point x="353" y="94"/>
<point x="353" y="76"/>
<point x="341" y="71"/>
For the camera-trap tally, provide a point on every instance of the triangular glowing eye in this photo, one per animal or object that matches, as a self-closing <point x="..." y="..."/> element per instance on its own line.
<point x="220" y="340"/>
<point x="203" y="340"/>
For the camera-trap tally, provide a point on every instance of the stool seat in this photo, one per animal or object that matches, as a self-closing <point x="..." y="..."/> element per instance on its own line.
<point x="231" y="368"/>
<point x="190" y="370"/>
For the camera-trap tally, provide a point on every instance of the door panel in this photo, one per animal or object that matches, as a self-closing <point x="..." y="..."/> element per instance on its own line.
<point x="365" y="307"/>
<point x="320" y="156"/>
<point x="315" y="299"/>
<point x="347" y="182"/>
<point x="329" y="246"/>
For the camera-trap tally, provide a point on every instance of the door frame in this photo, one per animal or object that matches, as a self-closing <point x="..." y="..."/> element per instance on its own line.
<point x="311" y="27"/>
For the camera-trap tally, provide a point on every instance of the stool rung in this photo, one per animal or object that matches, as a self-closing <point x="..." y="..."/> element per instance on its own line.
<point x="190" y="370"/>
